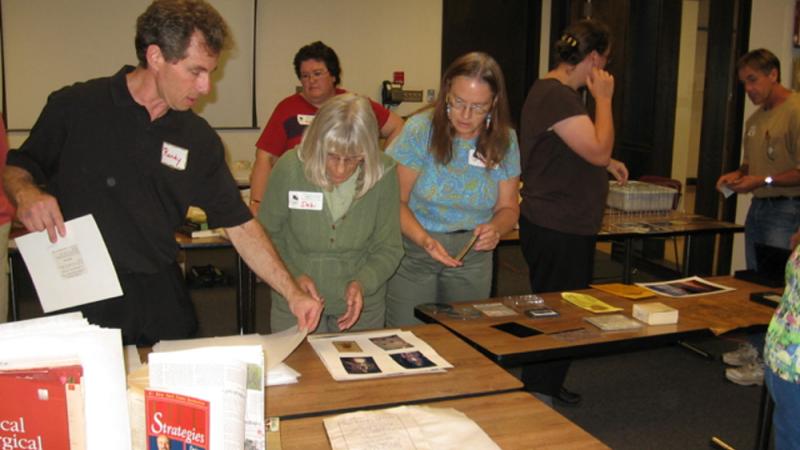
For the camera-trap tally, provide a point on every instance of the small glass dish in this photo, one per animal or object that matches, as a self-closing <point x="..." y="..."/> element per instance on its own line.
<point x="523" y="301"/>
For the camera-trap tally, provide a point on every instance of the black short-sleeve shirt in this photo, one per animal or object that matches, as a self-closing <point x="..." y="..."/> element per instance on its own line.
<point x="97" y="151"/>
<point x="561" y="191"/>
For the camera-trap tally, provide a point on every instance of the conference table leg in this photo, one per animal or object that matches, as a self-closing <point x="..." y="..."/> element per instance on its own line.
<point x="687" y="248"/>
<point x="245" y="297"/>
<point x="626" y="261"/>
<point x="12" y="290"/>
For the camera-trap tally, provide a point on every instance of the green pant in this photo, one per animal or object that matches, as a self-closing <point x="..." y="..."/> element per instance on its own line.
<point x="421" y="279"/>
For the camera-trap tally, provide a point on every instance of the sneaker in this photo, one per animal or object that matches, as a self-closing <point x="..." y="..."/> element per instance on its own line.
<point x="568" y="397"/>
<point x="742" y="356"/>
<point x="746" y="375"/>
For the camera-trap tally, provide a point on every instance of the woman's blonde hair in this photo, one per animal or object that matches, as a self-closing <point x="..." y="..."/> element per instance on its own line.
<point x="346" y="126"/>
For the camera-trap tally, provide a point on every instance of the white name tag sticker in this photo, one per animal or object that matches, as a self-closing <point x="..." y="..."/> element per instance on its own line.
<point x="173" y="156"/>
<point x="305" y="200"/>
<point x="305" y="119"/>
<point x="475" y="160"/>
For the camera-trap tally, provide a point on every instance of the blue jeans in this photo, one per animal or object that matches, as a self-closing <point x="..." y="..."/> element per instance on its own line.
<point x="786" y="417"/>
<point x="771" y="222"/>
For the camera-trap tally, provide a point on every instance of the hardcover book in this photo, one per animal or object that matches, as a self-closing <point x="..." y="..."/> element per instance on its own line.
<point x="42" y="408"/>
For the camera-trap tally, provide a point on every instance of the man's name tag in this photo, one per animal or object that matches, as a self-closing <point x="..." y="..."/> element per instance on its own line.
<point x="173" y="156"/>
<point x="305" y="119"/>
<point x="305" y="200"/>
<point x="475" y="160"/>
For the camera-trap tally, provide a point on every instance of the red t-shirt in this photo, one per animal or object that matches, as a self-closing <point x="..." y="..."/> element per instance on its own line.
<point x="290" y="118"/>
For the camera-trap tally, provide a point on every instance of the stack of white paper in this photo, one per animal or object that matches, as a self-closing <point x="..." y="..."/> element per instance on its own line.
<point x="56" y="340"/>
<point x="374" y="354"/>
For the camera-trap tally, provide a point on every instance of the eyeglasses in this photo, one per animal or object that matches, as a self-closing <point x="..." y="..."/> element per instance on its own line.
<point x="476" y="108"/>
<point x="313" y="75"/>
<point x="348" y="161"/>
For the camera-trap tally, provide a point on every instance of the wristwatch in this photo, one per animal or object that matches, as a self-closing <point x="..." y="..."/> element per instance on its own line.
<point x="768" y="181"/>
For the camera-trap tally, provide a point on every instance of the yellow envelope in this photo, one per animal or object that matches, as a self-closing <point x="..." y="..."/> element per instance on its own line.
<point x="630" y="291"/>
<point x="588" y="302"/>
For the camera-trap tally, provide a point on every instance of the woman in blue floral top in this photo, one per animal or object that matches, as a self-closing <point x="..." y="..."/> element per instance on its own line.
<point x="782" y="357"/>
<point x="458" y="167"/>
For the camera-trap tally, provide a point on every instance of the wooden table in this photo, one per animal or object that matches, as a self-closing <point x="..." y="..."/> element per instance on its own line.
<point x="245" y="279"/>
<point x="628" y="227"/>
<point x="514" y="420"/>
<point x="318" y="393"/>
<point x="702" y="315"/>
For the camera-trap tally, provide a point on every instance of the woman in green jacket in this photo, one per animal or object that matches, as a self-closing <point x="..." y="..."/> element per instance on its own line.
<point x="332" y="210"/>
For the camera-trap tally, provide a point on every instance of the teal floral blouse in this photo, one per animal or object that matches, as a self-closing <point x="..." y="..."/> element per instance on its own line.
<point x="782" y="349"/>
<point x="456" y="196"/>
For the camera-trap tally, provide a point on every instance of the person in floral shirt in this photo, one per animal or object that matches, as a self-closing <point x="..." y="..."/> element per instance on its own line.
<point x="782" y="357"/>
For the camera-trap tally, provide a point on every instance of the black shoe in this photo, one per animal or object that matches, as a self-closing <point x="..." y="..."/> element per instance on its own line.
<point x="568" y="397"/>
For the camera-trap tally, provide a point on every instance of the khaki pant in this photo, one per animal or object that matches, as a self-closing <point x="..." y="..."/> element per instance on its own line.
<point x="421" y="279"/>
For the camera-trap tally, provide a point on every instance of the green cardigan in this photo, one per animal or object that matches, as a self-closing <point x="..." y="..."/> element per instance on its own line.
<point x="365" y="244"/>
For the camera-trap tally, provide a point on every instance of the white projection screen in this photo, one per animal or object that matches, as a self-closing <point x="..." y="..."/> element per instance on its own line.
<point x="49" y="44"/>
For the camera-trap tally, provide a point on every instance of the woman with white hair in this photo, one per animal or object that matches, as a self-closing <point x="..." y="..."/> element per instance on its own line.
<point x="332" y="210"/>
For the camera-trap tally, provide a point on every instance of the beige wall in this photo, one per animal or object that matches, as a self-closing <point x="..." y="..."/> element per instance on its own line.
<point x="373" y="38"/>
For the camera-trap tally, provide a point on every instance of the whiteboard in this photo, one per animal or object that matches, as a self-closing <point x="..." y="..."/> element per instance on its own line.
<point x="49" y="44"/>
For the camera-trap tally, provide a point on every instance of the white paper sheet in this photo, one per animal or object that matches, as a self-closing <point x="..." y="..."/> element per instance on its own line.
<point x="376" y="354"/>
<point x="406" y="428"/>
<point x="99" y="351"/>
<point x="74" y="270"/>
<point x="277" y="346"/>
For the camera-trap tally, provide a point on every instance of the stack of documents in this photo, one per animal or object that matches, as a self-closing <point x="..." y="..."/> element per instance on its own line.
<point x="74" y="373"/>
<point x="375" y="354"/>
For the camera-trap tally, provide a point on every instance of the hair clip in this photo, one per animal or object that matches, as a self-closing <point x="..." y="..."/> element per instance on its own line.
<point x="571" y="41"/>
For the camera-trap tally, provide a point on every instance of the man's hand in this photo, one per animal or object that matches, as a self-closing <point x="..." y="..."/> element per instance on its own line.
<point x="306" y="309"/>
<point x="39" y="211"/>
<point x="354" y="298"/>
<point x="727" y="179"/>
<point x="307" y="285"/>
<point x="746" y="184"/>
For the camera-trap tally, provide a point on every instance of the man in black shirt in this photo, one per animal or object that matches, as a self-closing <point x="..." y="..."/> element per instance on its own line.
<point x="128" y="150"/>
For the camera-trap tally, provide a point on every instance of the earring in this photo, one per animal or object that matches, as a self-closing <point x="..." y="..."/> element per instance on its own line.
<point x="448" y="110"/>
<point x="488" y="120"/>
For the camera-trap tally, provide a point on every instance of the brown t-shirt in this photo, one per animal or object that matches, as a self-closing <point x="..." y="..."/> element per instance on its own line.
<point x="561" y="191"/>
<point x="772" y="145"/>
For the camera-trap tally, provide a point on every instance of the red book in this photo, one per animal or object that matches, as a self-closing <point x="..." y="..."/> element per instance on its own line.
<point x="42" y="408"/>
<point x="176" y="422"/>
